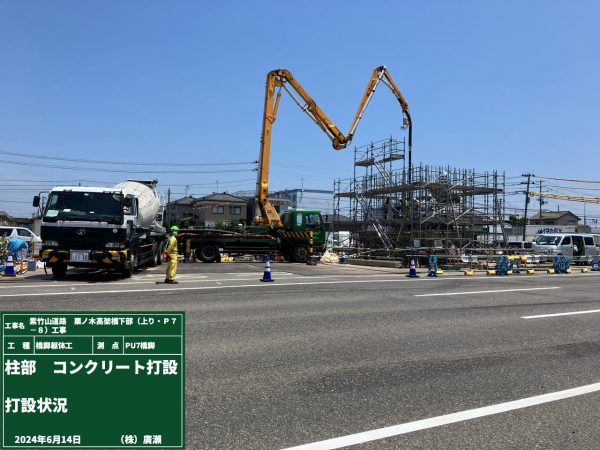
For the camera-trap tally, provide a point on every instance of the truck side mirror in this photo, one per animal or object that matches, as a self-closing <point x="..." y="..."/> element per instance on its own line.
<point x="36" y="201"/>
<point x="127" y="202"/>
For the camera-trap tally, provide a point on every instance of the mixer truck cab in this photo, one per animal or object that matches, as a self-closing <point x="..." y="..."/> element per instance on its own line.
<point x="109" y="228"/>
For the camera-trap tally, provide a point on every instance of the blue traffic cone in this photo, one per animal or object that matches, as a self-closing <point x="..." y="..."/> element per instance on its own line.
<point x="9" y="270"/>
<point x="412" y="272"/>
<point x="267" y="272"/>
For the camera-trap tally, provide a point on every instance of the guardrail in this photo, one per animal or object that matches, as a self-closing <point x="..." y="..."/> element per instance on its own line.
<point x="484" y="259"/>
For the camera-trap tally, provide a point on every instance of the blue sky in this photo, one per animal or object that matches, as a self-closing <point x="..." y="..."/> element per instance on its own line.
<point x="492" y="85"/>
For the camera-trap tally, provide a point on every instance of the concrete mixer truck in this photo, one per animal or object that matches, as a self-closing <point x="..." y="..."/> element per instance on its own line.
<point x="110" y="228"/>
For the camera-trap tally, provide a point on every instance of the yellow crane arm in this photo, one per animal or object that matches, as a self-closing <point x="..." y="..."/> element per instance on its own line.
<point x="283" y="78"/>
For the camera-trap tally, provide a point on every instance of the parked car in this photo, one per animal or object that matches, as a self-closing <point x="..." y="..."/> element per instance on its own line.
<point x="519" y="245"/>
<point x="578" y="246"/>
<point x="34" y="241"/>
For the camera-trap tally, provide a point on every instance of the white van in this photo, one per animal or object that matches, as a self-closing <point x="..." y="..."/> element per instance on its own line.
<point x="578" y="246"/>
<point x="519" y="245"/>
<point x="34" y="242"/>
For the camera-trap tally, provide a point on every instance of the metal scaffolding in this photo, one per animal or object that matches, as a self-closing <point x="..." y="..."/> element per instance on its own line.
<point x="441" y="207"/>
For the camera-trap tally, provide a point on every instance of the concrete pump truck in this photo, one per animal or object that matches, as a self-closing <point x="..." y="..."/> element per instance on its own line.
<point x="296" y="232"/>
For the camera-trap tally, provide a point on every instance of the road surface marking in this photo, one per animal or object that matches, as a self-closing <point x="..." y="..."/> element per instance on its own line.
<point x="487" y="292"/>
<point x="561" y="314"/>
<point x="58" y="284"/>
<point x="21" y="283"/>
<point x="409" y="427"/>
<point x="151" y="280"/>
<point x="200" y="288"/>
<point x="154" y="289"/>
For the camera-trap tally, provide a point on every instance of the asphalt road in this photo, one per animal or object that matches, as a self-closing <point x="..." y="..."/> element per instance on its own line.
<point x="333" y="351"/>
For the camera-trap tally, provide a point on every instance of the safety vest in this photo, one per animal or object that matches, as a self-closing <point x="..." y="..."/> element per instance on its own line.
<point x="172" y="241"/>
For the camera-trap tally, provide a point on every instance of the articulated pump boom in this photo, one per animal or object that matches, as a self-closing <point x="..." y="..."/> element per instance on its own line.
<point x="283" y="79"/>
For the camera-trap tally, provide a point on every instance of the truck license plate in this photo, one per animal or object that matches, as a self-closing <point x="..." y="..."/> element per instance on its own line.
<point x="79" y="256"/>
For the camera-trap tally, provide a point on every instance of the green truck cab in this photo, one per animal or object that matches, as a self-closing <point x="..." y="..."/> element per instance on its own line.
<point x="300" y="226"/>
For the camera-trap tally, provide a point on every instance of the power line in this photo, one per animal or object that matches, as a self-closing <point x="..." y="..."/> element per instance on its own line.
<point x="210" y="184"/>
<point x="129" y="163"/>
<point x="157" y="171"/>
<point x="14" y="201"/>
<point x="572" y="187"/>
<point x="52" y="181"/>
<point x="569" y="179"/>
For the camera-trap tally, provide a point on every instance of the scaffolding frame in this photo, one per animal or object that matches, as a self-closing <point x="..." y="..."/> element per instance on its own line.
<point x="441" y="207"/>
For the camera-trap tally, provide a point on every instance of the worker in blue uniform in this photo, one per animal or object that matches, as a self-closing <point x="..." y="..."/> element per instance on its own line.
<point x="17" y="247"/>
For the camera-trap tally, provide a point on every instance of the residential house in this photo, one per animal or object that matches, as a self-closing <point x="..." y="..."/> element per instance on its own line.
<point x="181" y="210"/>
<point x="221" y="208"/>
<point x="554" y="218"/>
<point x="7" y="219"/>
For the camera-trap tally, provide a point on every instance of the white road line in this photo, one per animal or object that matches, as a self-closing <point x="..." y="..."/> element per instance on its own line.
<point x="487" y="292"/>
<point x="397" y="278"/>
<point x="58" y="284"/>
<point x="561" y="314"/>
<point x="156" y="288"/>
<point x="244" y="274"/>
<point x="409" y="427"/>
<point x="24" y="284"/>
<point x="182" y="278"/>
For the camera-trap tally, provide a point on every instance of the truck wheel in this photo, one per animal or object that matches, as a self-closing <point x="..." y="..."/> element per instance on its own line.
<point x="155" y="256"/>
<point x="300" y="253"/>
<point x="208" y="253"/>
<point x="59" y="271"/>
<point x="159" y="260"/>
<point x="130" y="266"/>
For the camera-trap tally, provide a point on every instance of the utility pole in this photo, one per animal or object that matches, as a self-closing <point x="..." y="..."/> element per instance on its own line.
<point x="541" y="201"/>
<point x="528" y="175"/>
<point x="168" y="208"/>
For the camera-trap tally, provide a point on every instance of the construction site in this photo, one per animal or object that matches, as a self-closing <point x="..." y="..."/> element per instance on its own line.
<point x="389" y="206"/>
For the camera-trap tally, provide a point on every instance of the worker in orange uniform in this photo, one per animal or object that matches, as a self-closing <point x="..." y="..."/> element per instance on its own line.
<point x="171" y="251"/>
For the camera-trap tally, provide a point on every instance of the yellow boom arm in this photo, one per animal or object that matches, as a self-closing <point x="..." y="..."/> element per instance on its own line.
<point x="283" y="79"/>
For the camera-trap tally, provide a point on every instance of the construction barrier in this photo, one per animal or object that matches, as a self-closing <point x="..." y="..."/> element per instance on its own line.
<point x="432" y="266"/>
<point x="502" y="265"/>
<point x="562" y="264"/>
<point x="515" y="266"/>
<point x="226" y="258"/>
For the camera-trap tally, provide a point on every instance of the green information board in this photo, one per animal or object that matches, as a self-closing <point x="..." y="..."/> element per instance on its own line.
<point x="93" y="380"/>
